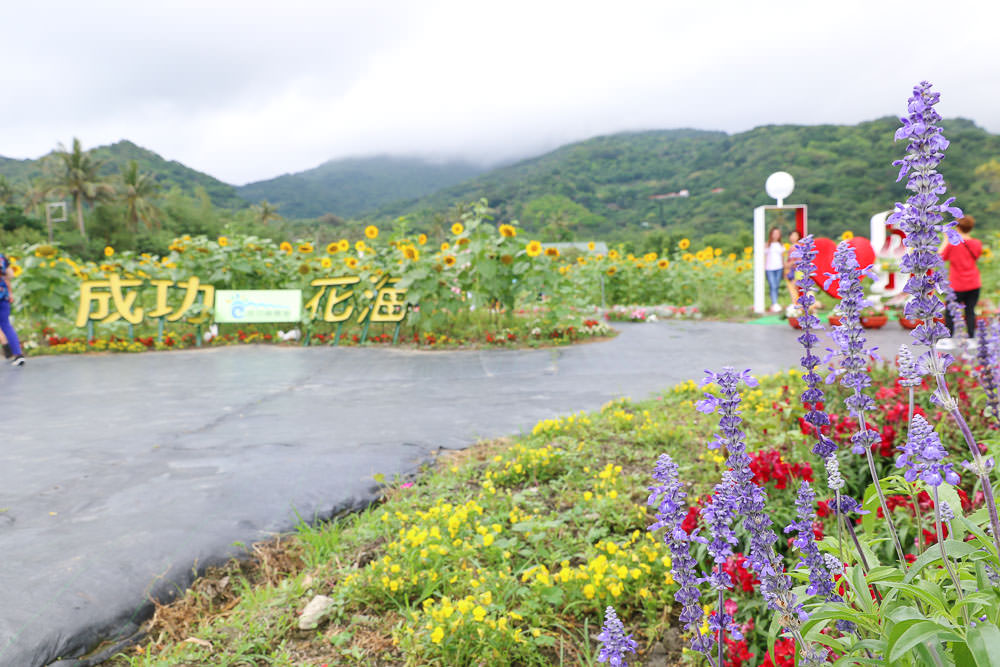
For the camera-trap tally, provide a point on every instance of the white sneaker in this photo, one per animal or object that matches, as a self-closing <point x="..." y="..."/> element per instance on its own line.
<point x="18" y="361"/>
<point x="971" y="344"/>
<point x="945" y="344"/>
<point x="775" y="308"/>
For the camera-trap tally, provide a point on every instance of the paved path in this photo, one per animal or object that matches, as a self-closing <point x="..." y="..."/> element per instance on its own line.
<point x="119" y="474"/>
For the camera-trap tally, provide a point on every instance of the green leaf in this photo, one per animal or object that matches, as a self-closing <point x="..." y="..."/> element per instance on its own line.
<point x="983" y="642"/>
<point x="956" y="550"/>
<point x="904" y="636"/>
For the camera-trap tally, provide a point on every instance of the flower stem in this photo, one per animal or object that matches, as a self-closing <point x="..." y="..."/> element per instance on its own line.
<point x="944" y="556"/>
<point x="722" y="629"/>
<point x="863" y="425"/>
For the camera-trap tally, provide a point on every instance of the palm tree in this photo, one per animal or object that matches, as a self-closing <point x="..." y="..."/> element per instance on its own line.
<point x="75" y="174"/>
<point x="138" y="192"/>
<point x="266" y="211"/>
<point x="34" y="197"/>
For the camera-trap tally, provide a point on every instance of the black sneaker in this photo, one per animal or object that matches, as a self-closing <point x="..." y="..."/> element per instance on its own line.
<point x="18" y="361"/>
<point x="6" y="351"/>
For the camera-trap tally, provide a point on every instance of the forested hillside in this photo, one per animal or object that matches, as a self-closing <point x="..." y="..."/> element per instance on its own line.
<point x="621" y="185"/>
<point x="168" y="173"/>
<point x="353" y="187"/>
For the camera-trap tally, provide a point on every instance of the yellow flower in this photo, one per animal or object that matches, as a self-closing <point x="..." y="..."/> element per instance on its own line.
<point x="410" y="252"/>
<point x="684" y="244"/>
<point x="108" y="251"/>
<point x="449" y="260"/>
<point x="591" y="246"/>
<point x="422" y="239"/>
<point x="479" y="614"/>
<point x="581" y="260"/>
<point x="457" y="228"/>
<point x="663" y="264"/>
<point x="306" y="248"/>
<point x="371" y="231"/>
<point x="303" y="269"/>
<point x="534" y="249"/>
<point x="360" y="246"/>
<point x="325" y="263"/>
<point x="847" y="236"/>
<point x="508" y="231"/>
<point x="16" y="270"/>
<point x="748" y="250"/>
<point x="718" y="251"/>
<point x="286" y="247"/>
<point x="344" y="245"/>
<point x="437" y="635"/>
<point x="612" y="270"/>
<point x="223" y="241"/>
<point x="445" y="246"/>
<point x="589" y="591"/>
<point x="612" y="254"/>
<point x="352" y="262"/>
<point x="332" y="248"/>
<point x="551" y="252"/>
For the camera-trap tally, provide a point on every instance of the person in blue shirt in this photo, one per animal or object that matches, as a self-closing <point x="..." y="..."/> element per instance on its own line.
<point x="6" y="299"/>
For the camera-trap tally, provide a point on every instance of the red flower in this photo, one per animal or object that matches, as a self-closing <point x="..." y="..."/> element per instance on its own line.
<point x="784" y="654"/>
<point x="691" y="520"/>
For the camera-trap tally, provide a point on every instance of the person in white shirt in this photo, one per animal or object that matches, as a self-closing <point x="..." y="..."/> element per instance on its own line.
<point x="774" y="264"/>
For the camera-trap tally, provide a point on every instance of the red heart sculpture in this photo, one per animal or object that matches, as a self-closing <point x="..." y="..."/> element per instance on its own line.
<point x="824" y="260"/>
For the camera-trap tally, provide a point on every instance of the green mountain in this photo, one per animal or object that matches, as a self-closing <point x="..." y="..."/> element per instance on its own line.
<point x="352" y="187"/>
<point x="692" y="182"/>
<point x="169" y="173"/>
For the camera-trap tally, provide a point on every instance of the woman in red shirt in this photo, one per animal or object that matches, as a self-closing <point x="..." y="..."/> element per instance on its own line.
<point x="964" y="274"/>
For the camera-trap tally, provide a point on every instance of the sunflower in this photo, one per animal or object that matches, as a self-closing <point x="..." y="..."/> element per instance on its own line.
<point x="748" y="250"/>
<point x="16" y="269"/>
<point x="344" y="245"/>
<point x="449" y="260"/>
<point x="360" y="246"/>
<point x="325" y="263"/>
<point x="684" y="244"/>
<point x="371" y="231"/>
<point x="445" y="246"/>
<point x="649" y="257"/>
<point x="108" y="251"/>
<point x="352" y="262"/>
<point x="663" y="264"/>
<point x="847" y="236"/>
<point x="687" y="257"/>
<point x="718" y="252"/>
<point x="551" y="252"/>
<point x="286" y="247"/>
<point x="457" y="228"/>
<point x="306" y="248"/>
<point x="612" y="270"/>
<point x="731" y="256"/>
<point x="563" y="270"/>
<point x="332" y="248"/>
<point x="612" y="254"/>
<point x="462" y="241"/>
<point x="410" y="252"/>
<point x="508" y="231"/>
<point x="304" y="269"/>
<point x="422" y="239"/>
<point x="223" y="241"/>
<point x="591" y="246"/>
<point x="581" y="260"/>
<point x="45" y="251"/>
<point x="534" y="249"/>
<point x="506" y="260"/>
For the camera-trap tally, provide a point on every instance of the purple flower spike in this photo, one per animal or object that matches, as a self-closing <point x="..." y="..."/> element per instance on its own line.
<point x="670" y="499"/>
<point x="850" y="339"/>
<point x="909" y="371"/>
<point x="921" y="216"/>
<point x="805" y="254"/>
<point x="922" y="456"/>
<point x="988" y="371"/>
<point x="615" y="644"/>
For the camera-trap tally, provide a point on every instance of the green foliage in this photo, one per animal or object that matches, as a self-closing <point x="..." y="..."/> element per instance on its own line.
<point x="354" y="186"/>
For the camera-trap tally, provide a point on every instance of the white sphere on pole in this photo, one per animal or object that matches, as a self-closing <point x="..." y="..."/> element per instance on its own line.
<point x="779" y="185"/>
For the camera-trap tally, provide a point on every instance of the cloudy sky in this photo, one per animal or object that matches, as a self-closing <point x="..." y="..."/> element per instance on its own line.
<point x="247" y="90"/>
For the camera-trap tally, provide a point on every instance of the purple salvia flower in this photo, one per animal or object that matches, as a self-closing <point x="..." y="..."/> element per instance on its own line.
<point x="955" y="309"/>
<point x="947" y="514"/>
<point x="820" y="575"/>
<point x="719" y="516"/>
<point x="669" y="497"/>
<point x="923" y="455"/>
<point x="988" y="366"/>
<point x="805" y="254"/>
<point x="909" y="372"/>
<point x="850" y="339"/>
<point x="920" y="217"/>
<point x="833" y="477"/>
<point x="750" y="499"/>
<point x="615" y="644"/>
<point x="847" y="506"/>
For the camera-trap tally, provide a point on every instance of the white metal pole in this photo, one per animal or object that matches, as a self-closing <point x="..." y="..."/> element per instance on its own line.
<point x="759" y="250"/>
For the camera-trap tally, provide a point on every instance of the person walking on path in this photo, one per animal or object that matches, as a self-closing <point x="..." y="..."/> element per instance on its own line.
<point x="774" y="265"/>
<point x="6" y="299"/>
<point x="964" y="276"/>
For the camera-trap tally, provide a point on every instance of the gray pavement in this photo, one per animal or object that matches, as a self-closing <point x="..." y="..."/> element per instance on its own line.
<point x="120" y="475"/>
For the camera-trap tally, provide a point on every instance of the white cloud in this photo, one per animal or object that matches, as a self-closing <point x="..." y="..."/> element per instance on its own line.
<point x="250" y="90"/>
